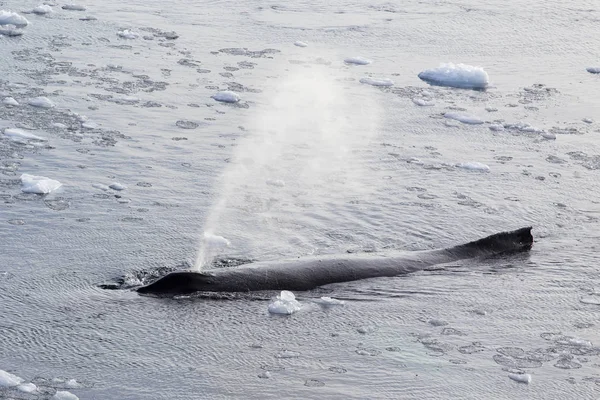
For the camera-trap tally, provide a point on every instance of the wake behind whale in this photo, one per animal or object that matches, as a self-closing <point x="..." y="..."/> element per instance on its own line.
<point x="311" y="272"/>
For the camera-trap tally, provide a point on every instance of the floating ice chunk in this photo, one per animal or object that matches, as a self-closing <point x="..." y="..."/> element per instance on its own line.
<point x="117" y="186"/>
<point x="474" y="166"/>
<point x="357" y="60"/>
<point x="593" y="70"/>
<point x="10" y="30"/>
<point x="300" y="44"/>
<point x="127" y="34"/>
<point x="275" y="182"/>
<point x="89" y="125"/>
<point x="451" y="123"/>
<point x="64" y="395"/>
<point x="59" y="125"/>
<point x="456" y="75"/>
<point x="464" y="118"/>
<point x="27" y="387"/>
<point x="7" y="379"/>
<point x="285" y="303"/>
<point x="10" y="101"/>
<point x="548" y="135"/>
<point x="496" y="127"/>
<point x="12" y="18"/>
<point x="215" y="241"/>
<point x="100" y="186"/>
<point x="42" y="102"/>
<point x="38" y="184"/>
<point x="423" y="102"/>
<point x="264" y="375"/>
<point x="72" y="384"/>
<point x="588" y="120"/>
<point x="328" y="301"/>
<point x="377" y="82"/>
<point x="73" y="7"/>
<point x="42" y="9"/>
<point x="522" y="378"/>
<point x="20" y="135"/>
<point x="227" y="96"/>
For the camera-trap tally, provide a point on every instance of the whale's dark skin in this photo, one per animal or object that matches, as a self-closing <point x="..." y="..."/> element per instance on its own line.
<point x="308" y="273"/>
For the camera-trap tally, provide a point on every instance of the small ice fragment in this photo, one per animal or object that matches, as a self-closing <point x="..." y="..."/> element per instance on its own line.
<point x="377" y="82"/>
<point x="20" y="135"/>
<point x="117" y="186"/>
<point x="423" y="102"/>
<point x="100" y="186"/>
<point x="464" y="118"/>
<point x="42" y="102"/>
<point x="227" y="96"/>
<point x="285" y="303"/>
<point x="588" y="120"/>
<point x="38" y="184"/>
<point x="357" y="60"/>
<point x="329" y="301"/>
<point x="7" y="379"/>
<point x="10" y="30"/>
<point x="10" y="101"/>
<point x="59" y="125"/>
<point x="89" y="125"/>
<point x="496" y="127"/>
<point x="474" y="166"/>
<point x="593" y="70"/>
<point x="275" y="182"/>
<point x="72" y="384"/>
<point x="127" y="34"/>
<point x="300" y="44"/>
<point x="73" y="7"/>
<point x="456" y="75"/>
<point x="548" y="135"/>
<point x="27" y="387"/>
<point x="42" y="9"/>
<point x="12" y="18"/>
<point x="64" y="395"/>
<point x="264" y="375"/>
<point x="522" y="378"/>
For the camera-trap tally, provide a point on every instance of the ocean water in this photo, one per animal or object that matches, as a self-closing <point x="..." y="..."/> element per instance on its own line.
<point x="310" y="160"/>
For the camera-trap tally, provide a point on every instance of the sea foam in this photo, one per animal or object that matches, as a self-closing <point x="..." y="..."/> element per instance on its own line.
<point x="456" y="75"/>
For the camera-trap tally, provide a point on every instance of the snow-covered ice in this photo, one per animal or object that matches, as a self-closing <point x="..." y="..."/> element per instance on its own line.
<point x="456" y="75"/>
<point x="12" y="18"/>
<point x="38" y="184"/>
<point x="474" y="166"/>
<point x="464" y="118"/>
<point x="285" y="303"/>
<point x="227" y="96"/>
<point x="377" y="82"/>
<point x="41" y="102"/>
<point x="358" y="60"/>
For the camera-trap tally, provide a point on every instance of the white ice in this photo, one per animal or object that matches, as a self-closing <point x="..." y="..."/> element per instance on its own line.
<point x="38" y="184"/>
<point x="27" y="387"/>
<point x="10" y="30"/>
<point x="19" y="135"/>
<point x="496" y="127"/>
<point x="285" y="303"/>
<point x="7" y="379"/>
<point x="522" y="378"/>
<point x="117" y="186"/>
<point x="423" y="102"/>
<point x="593" y="70"/>
<point x="456" y="75"/>
<point x="10" y="101"/>
<point x="42" y="9"/>
<point x="64" y="395"/>
<point x="377" y="82"/>
<point x="474" y="166"/>
<point x="42" y="102"/>
<point x="300" y="44"/>
<point x="127" y="34"/>
<point x="464" y="118"/>
<point x="73" y="7"/>
<point x="227" y="96"/>
<point x="12" y="18"/>
<point x="357" y="60"/>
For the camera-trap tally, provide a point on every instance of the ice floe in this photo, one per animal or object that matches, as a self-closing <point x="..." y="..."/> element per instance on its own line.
<point x="41" y="102"/>
<point x="12" y="18"/>
<point x="38" y="184"/>
<point x="464" y="118"/>
<point x="521" y="378"/>
<point x="593" y="70"/>
<point x="227" y="96"/>
<point x="300" y="44"/>
<point x="8" y="380"/>
<point x="377" y="82"/>
<point x="73" y="7"/>
<point x="474" y="166"/>
<point x="20" y="135"/>
<point x="27" y="387"/>
<point x="456" y="75"/>
<point x="357" y="60"/>
<point x="42" y="9"/>
<point x="285" y="303"/>
<point x="127" y="34"/>
<point x="64" y="395"/>
<point x="10" y="101"/>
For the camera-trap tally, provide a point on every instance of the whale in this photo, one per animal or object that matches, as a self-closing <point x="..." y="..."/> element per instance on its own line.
<point x="307" y="273"/>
